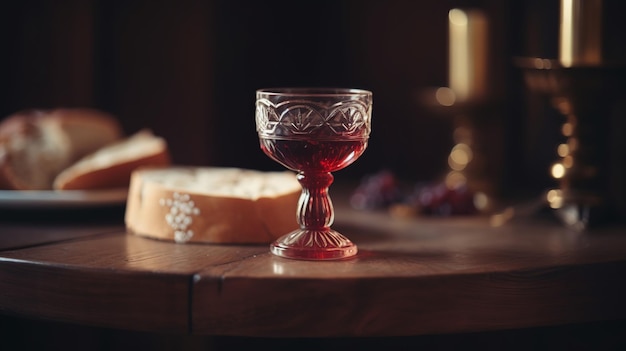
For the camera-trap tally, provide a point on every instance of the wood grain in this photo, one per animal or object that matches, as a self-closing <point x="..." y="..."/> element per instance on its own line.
<point x="398" y="306"/>
<point x="111" y="280"/>
<point x="19" y="229"/>
<point x="102" y="297"/>
<point x="419" y="276"/>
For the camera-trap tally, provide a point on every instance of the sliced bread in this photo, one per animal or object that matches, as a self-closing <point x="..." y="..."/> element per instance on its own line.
<point x="112" y="165"/>
<point x="36" y="145"/>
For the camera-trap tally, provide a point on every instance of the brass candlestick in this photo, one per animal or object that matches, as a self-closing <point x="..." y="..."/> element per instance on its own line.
<point x="591" y="168"/>
<point x="476" y="156"/>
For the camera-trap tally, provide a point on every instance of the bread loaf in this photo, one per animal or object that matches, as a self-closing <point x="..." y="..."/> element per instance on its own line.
<point x="36" y="145"/>
<point x="211" y="204"/>
<point x="112" y="165"/>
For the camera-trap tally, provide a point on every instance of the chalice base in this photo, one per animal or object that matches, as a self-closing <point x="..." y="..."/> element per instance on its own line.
<point x="309" y="244"/>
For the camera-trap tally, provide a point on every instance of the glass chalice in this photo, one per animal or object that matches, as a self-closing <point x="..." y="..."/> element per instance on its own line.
<point x="314" y="131"/>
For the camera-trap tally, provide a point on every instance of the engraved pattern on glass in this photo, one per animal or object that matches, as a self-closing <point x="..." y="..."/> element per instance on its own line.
<point x="290" y="119"/>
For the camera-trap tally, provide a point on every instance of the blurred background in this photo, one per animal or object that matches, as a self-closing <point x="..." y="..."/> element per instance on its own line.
<point x="188" y="69"/>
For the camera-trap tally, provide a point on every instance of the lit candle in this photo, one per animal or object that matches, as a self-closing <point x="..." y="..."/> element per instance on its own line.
<point x="467" y="54"/>
<point x="580" y="32"/>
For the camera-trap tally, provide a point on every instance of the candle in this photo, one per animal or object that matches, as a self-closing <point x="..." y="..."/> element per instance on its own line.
<point x="467" y="54"/>
<point x="580" y="32"/>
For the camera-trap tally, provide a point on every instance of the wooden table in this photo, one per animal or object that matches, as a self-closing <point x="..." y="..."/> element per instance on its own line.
<point x="418" y="276"/>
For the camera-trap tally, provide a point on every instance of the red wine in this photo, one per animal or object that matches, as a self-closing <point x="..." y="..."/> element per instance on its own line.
<point x="310" y="155"/>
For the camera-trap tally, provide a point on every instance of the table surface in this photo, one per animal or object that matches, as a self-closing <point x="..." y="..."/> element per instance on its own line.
<point x="412" y="276"/>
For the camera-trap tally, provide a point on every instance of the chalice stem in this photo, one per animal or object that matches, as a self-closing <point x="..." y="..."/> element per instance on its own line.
<point x="314" y="239"/>
<point x="315" y="209"/>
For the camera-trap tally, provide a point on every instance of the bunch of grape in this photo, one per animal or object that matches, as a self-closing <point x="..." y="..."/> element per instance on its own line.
<point x="382" y="190"/>
<point x="440" y="200"/>
<point x="377" y="191"/>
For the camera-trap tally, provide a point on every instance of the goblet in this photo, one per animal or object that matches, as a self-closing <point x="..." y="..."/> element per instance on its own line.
<point x="314" y="131"/>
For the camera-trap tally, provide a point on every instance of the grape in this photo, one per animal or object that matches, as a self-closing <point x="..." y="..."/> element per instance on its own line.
<point x="440" y="200"/>
<point x="376" y="191"/>
<point x="382" y="190"/>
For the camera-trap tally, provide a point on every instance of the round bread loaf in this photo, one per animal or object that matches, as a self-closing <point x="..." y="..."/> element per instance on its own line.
<point x="211" y="204"/>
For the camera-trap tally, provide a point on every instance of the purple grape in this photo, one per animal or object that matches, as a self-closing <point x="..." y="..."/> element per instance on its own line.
<point x="376" y="191"/>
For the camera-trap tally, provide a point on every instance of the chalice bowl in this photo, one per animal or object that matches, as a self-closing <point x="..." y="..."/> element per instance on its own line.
<point x="314" y="131"/>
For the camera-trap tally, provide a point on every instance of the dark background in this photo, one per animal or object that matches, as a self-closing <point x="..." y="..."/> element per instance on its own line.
<point x="189" y="69"/>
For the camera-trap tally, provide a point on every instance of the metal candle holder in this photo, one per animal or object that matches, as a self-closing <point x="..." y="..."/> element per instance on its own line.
<point x="591" y="171"/>
<point x="475" y="159"/>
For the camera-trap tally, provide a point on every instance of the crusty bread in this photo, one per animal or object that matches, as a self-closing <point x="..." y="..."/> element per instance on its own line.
<point x="211" y="204"/>
<point x="36" y="145"/>
<point x="112" y="165"/>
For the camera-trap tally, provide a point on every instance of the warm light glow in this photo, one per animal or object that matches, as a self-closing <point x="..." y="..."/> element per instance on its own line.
<point x="563" y="150"/>
<point x="552" y="195"/>
<point x="467" y="53"/>
<point x="563" y="105"/>
<point x="580" y="37"/>
<point x="455" y="179"/>
<point x="568" y="161"/>
<point x="501" y="219"/>
<point x="567" y="33"/>
<point x="445" y="96"/>
<point x="542" y="63"/>
<point x="460" y="156"/>
<point x="555" y="198"/>
<point x="455" y="166"/>
<point x="481" y="201"/>
<point x="567" y="129"/>
<point x="278" y="269"/>
<point x="558" y="170"/>
<point x="457" y="17"/>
